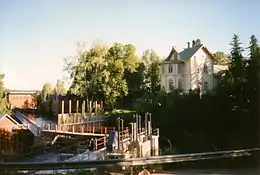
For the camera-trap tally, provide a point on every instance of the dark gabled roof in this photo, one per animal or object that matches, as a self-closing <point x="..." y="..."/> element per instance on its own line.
<point x="187" y="53"/>
<point x="10" y="118"/>
<point x="168" y="58"/>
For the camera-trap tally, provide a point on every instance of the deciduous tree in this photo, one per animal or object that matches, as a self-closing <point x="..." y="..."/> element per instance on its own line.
<point x="4" y="105"/>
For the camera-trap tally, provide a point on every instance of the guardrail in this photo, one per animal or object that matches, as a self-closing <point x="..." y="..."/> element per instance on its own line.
<point x="129" y="162"/>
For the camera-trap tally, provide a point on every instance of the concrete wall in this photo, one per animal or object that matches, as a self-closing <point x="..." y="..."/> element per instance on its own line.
<point x="145" y="148"/>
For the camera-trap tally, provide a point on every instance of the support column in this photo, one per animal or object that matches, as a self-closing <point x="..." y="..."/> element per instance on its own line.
<point x="83" y="108"/>
<point x="77" y="107"/>
<point x="90" y="108"/>
<point x="69" y="107"/>
<point x="96" y="108"/>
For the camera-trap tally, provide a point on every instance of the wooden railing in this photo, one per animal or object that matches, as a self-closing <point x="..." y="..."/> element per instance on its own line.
<point x="78" y="129"/>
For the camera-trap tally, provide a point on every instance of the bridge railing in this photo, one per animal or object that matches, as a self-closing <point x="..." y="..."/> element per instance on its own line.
<point x="78" y="129"/>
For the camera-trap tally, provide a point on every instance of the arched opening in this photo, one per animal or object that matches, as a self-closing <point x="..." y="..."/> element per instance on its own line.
<point x="180" y="84"/>
<point x="170" y="68"/>
<point x="206" y="86"/>
<point x="171" y="87"/>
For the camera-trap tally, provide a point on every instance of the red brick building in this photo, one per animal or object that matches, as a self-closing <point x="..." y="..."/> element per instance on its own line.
<point x="23" y="99"/>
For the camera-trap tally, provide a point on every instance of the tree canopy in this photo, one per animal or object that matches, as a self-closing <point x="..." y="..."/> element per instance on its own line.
<point x="224" y="118"/>
<point x="4" y="105"/>
<point x="220" y="58"/>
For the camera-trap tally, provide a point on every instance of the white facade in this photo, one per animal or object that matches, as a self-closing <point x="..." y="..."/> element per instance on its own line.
<point x="190" y="69"/>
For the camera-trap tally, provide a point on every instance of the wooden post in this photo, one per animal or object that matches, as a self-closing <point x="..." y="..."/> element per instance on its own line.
<point x="73" y="128"/>
<point x="105" y="142"/>
<point x="101" y="105"/>
<point x="95" y="143"/>
<point x="90" y="107"/>
<point x="83" y="108"/>
<point x="105" y="130"/>
<point x="96" y="109"/>
<point x="77" y="107"/>
<point x="62" y="107"/>
<point x="93" y="128"/>
<point x="49" y="126"/>
<point x="56" y="127"/>
<point x="82" y="129"/>
<point x="87" y="102"/>
<point x="69" y="106"/>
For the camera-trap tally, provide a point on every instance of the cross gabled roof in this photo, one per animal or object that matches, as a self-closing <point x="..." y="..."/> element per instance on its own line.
<point x="9" y="117"/>
<point x="188" y="53"/>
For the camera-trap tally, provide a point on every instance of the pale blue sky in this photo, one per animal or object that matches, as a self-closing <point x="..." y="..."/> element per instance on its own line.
<point x="37" y="34"/>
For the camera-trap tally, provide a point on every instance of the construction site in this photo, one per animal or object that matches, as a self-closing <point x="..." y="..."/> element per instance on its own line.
<point x="79" y="136"/>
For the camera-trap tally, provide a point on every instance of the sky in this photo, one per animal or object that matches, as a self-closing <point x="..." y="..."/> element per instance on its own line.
<point x="36" y="35"/>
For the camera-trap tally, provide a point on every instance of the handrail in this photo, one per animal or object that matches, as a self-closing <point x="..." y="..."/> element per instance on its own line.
<point x="128" y="162"/>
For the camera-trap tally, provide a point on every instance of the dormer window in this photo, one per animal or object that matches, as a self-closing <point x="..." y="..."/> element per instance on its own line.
<point x="170" y="68"/>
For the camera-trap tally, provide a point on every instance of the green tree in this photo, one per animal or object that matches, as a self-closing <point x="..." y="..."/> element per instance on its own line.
<point x="42" y="97"/>
<point x="220" y="58"/>
<point x="237" y="63"/>
<point x="60" y="87"/>
<point x="152" y="71"/>
<point x="4" y="105"/>
<point x="99" y="73"/>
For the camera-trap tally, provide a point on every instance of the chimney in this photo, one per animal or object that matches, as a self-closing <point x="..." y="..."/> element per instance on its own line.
<point x="188" y="44"/>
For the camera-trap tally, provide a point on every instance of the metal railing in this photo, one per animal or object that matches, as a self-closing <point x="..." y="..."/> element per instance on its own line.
<point x="129" y="162"/>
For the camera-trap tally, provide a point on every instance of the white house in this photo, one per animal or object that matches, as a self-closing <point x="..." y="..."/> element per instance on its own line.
<point x="189" y="69"/>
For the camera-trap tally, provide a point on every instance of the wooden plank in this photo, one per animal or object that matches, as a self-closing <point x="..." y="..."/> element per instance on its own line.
<point x="74" y="133"/>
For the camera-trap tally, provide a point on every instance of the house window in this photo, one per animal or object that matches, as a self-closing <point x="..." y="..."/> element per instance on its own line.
<point x="180" y="84"/>
<point x="180" y="68"/>
<point x="205" y="69"/>
<point x="198" y="70"/>
<point x="171" y="85"/>
<point x="170" y="68"/>
<point x="175" y="56"/>
<point x="206" y="86"/>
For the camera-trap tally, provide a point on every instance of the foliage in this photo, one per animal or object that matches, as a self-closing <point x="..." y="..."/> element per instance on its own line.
<point x="225" y="118"/>
<point x="220" y="58"/>
<point x="60" y="87"/>
<point x="4" y="105"/>
<point x="100" y="72"/>
<point x="42" y="97"/>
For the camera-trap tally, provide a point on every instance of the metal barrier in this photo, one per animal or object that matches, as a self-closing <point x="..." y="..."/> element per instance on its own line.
<point x="129" y="162"/>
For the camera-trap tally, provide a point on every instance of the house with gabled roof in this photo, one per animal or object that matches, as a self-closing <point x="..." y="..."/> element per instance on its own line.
<point x="8" y="123"/>
<point x="190" y="68"/>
